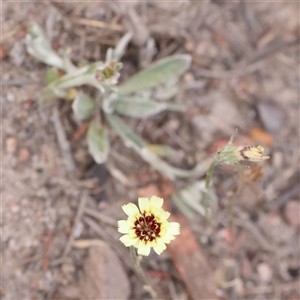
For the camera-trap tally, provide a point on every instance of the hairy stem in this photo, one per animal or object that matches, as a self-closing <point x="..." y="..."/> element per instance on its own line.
<point x="142" y="275"/>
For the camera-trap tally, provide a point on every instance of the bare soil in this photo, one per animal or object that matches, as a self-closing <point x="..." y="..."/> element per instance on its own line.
<point x="244" y="75"/>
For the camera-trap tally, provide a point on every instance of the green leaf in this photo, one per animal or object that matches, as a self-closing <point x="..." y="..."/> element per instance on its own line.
<point x="83" y="106"/>
<point x="156" y="74"/>
<point x="162" y="150"/>
<point x="98" y="143"/>
<point x="50" y="93"/>
<point x="51" y="75"/>
<point x="182" y="206"/>
<point x="124" y="131"/>
<point x="138" y="107"/>
<point x="121" y="47"/>
<point x="191" y="197"/>
<point x="39" y="47"/>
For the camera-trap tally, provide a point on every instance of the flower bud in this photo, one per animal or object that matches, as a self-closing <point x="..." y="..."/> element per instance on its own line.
<point x="234" y="154"/>
<point x="250" y="153"/>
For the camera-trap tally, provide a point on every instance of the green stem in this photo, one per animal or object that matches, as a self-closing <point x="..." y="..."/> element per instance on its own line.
<point x="205" y="203"/>
<point x="142" y="275"/>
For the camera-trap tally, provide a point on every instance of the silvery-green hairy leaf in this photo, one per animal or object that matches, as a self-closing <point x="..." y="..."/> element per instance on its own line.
<point x="124" y="131"/>
<point x="39" y="47"/>
<point x="50" y="93"/>
<point x="167" y="90"/>
<point x="157" y="73"/>
<point x="98" y="142"/>
<point x="52" y="75"/>
<point x="182" y="206"/>
<point x="83" y="106"/>
<point x="121" y="47"/>
<point x="162" y="150"/>
<point x="67" y="64"/>
<point x="188" y="199"/>
<point x="79" y="77"/>
<point x="138" y="107"/>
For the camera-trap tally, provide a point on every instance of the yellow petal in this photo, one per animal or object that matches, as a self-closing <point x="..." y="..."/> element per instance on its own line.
<point x="156" y="201"/>
<point x="174" y="228"/>
<point x="167" y="238"/>
<point x="127" y="241"/>
<point x="132" y="233"/>
<point x="161" y="215"/>
<point x="160" y="247"/>
<point x="144" y="204"/>
<point x="144" y="249"/>
<point x="130" y="210"/>
<point x="123" y="226"/>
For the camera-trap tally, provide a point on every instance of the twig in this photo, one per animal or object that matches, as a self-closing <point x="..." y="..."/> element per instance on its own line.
<point x="248" y="22"/>
<point x="284" y="198"/>
<point x="62" y="140"/>
<point x="285" y="287"/>
<point x="6" y="35"/>
<point x="98" y="24"/>
<point x="272" y="50"/>
<point x="30" y="259"/>
<point x="255" y="61"/>
<point x="244" y="223"/>
<point x="100" y="216"/>
<point x="177" y="139"/>
<point x="111" y="241"/>
<point x="79" y="213"/>
<point x="241" y="71"/>
<point x="19" y="82"/>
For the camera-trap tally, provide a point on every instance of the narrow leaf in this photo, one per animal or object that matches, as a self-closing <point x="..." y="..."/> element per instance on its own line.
<point x="138" y="107"/>
<point x="124" y="131"/>
<point x="83" y="106"/>
<point x="182" y="206"/>
<point x="39" y="47"/>
<point x="156" y="74"/>
<point x="162" y="150"/>
<point x="121" y="46"/>
<point x="98" y="142"/>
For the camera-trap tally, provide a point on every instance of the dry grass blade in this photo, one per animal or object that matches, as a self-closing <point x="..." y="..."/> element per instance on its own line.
<point x="117" y="246"/>
<point x="100" y="216"/>
<point x="99" y="24"/>
<point x="79" y="213"/>
<point x="241" y="71"/>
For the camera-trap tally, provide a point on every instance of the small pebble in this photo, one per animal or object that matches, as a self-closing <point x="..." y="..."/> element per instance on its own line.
<point x="11" y="145"/>
<point x="10" y="97"/>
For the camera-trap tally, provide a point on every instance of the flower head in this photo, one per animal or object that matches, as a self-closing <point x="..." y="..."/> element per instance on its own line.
<point x="147" y="226"/>
<point x="250" y="153"/>
<point x="234" y="154"/>
<point x="108" y="72"/>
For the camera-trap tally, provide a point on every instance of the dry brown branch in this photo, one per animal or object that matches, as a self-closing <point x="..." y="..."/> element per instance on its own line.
<point x="62" y="140"/>
<point x="79" y="213"/>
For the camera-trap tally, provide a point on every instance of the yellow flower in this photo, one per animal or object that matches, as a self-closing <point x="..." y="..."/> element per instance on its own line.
<point x="147" y="226"/>
<point x="251" y="153"/>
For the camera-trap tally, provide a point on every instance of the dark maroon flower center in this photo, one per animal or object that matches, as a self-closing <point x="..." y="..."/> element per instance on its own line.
<point x="147" y="228"/>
